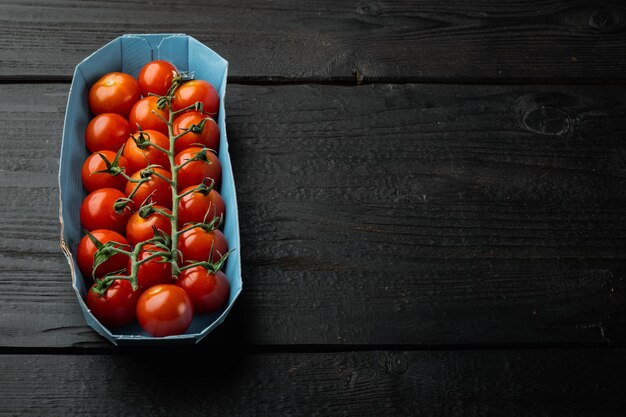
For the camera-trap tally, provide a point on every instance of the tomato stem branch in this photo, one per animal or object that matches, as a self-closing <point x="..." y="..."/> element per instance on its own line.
<point x="162" y="212"/>
<point x="154" y="145"/>
<point x="122" y="251"/>
<point x="194" y="106"/>
<point x="199" y="156"/>
<point x="152" y="256"/>
<point x="164" y="178"/>
<point x="135" y="264"/>
<point x="174" y="184"/>
<point x="193" y="190"/>
<point x="186" y="229"/>
<point x="157" y="114"/>
<point x="128" y="177"/>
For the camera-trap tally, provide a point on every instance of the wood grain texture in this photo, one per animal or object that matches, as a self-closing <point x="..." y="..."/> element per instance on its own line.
<point x="329" y="41"/>
<point x="193" y="383"/>
<point x="377" y="215"/>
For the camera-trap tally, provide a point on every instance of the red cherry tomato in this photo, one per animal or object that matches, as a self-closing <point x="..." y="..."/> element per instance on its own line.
<point x="196" y="172"/>
<point x="156" y="77"/>
<point x="197" y="90"/>
<point x="94" y="163"/>
<point x="98" y="212"/>
<point x="193" y="207"/>
<point x="117" y="306"/>
<point x="154" y="271"/>
<point x="142" y="114"/>
<point x="208" y="138"/>
<point x="139" y="229"/>
<point x="208" y="291"/>
<point x="107" y="132"/>
<point x="139" y="158"/>
<point x="156" y="188"/>
<point x="86" y="250"/>
<point x="195" y="245"/>
<point x="164" y="310"/>
<point x="115" y="92"/>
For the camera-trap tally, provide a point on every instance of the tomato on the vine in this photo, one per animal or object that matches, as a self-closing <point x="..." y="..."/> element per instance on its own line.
<point x="154" y="271"/>
<point x="209" y="137"/>
<point x="140" y="226"/>
<point x="143" y="114"/>
<point x="197" y="91"/>
<point x="86" y="251"/>
<point x="106" y="132"/>
<point x="93" y="179"/>
<point x="200" y="206"/>
<point x="98" y="211"/>
<point x="115" y="92"/>
<point x="130" y="135"/>
<point x="156" y="77"/>
<point x="207" y="168"/>
<point x="209" y="291"/>
<point x="196" y="244"/>
<point x="139" y="153"/>
<point x="164" y="310"/>
<point x="117" y="306"/>
<point x="156" y="188"/>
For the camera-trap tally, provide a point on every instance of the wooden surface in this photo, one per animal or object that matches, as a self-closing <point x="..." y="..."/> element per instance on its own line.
<point x="341" y="41"/>
<point x="445" y="240"/>
<point x="448" y="384"/>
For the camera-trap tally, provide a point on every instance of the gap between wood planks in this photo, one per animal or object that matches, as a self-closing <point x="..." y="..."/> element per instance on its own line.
<point x="357" y="80"/>
<point x="306" y="348"/>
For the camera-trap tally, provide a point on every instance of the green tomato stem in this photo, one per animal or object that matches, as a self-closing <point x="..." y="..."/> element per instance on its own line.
<point x="175" y="196"/>
<point x="150" y="257"/>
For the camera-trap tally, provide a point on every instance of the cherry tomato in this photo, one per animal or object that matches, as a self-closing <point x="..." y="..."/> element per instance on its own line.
<point x="195" y="245"/>
<point x="139" y="229"/>
<point x="117" y="306"/>
<point x="156" y="77"/>
<point x="193" y="207"/>
<point x="98" y="212"/>
<point x="164" y="310"/>
<point x="208" y="291"/>
<point x="142" y="114"/>
<point x="139" y="158"/>
<point x="208" y="138"/>
<point x="154" y="271"/>
<point x="196" y="172"/>
<point x="156" y="188"/>
<point x="197" y="90"/>
<point x="107" y="132"/>
<point x="94" y="163"/>
<point x="115" y="92"/>
<point x="86" y="250"/>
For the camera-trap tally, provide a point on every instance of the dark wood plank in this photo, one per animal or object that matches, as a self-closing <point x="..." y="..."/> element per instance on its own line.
<point x="381" y="215"/>
<point x="459" y="383"/>
<point x="325" y="40"/>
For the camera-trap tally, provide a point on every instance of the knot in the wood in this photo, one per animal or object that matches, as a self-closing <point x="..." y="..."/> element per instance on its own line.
<point x="397" y="362"/>
<point x="605" y="20"/>
<point x="547" y="121"/>
<point x="368" y="9"/>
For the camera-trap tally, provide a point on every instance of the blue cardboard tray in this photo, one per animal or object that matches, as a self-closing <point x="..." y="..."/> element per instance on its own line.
<point x="128" y="54"/>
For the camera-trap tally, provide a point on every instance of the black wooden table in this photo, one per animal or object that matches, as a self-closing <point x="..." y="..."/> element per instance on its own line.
<point x="432" y="200"/>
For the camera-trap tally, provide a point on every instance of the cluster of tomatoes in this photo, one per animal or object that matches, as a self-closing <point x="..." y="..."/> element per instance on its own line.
<point x="152" y="218"/>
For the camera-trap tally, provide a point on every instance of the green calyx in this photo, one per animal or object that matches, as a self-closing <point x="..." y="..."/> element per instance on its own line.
<point x="101" y="287"/>
<point x="203" y="188"/>
<point x="112" y="167"/>
<point x="121" y="204"/>
<point x="142" y="140"/>
<point x="102" y="255"/>
<point x="210" y="266"/>
<point x="146" y="210"/>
